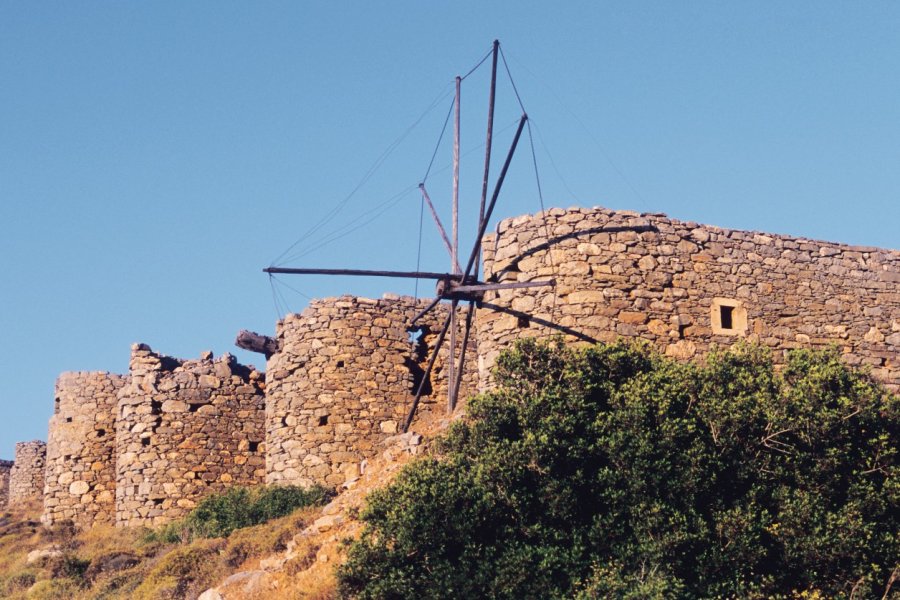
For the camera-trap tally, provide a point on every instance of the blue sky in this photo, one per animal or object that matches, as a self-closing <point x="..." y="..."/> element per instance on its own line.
<point x="155" y="156"/>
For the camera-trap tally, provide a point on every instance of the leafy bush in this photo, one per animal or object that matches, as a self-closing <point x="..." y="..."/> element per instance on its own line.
<point x="220" y="514"/>
<point x="610" y="471"/>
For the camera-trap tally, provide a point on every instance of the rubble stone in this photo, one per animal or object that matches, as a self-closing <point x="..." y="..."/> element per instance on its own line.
<point x="344" y="381"/>
<point x="186" y="429"/>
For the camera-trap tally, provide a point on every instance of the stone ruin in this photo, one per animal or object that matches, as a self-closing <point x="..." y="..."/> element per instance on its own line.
<point x="80" y="476"/>
<point x="185" y="429"/>
<point x="143" y="448"/>
<point x="5" y="467"/>
<point x="26" y="477"/>
<point x="687" y="288"/>
<point x="344" y="380"/>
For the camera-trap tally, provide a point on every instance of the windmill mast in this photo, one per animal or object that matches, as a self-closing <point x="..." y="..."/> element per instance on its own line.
<point x="457" y="285"/>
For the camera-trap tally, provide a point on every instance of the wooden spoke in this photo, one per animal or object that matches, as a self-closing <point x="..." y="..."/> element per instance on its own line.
<point x="440" y="226"/>
<point x="546" y="323"/>
<point x="490" y="209"/>
<point x="462" y="354"/>
<point x="425" y="311"/>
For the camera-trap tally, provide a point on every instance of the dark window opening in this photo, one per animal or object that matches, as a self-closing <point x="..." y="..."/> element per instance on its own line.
<point x="194" y="407"/>
<point x="681" y="329"/>
<point x="524" y="322"/>
<point x="254" y="446"/>
<point x="417" y="338"/>
<point x="145" y="441"/>
<point x="56" y="405"/>
<point x="68" y="419"/>
<point x="340" y="364"/>
<point x="323" y="420"/>
<point x="155" y="407"/>
<point x="157" y="501"/>
<point x="418" y="377"/>
<point x="726" y="314"/>
<point x="101" y="433"/>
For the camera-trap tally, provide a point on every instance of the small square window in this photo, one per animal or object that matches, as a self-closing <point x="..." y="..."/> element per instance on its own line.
<point x="728" y="317"/>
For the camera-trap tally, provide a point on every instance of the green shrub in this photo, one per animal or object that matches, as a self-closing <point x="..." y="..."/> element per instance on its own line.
<point x="220" y="514"/>
<point x="613" y="472"/>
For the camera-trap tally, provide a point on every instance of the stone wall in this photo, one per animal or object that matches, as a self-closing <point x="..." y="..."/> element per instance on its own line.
<point x="26" y="477"/>
<point x="344" y="380"/>
<point x="80" y="478"/>
<point x="686" y="287"/>
<point x="5" y="467"/>
<point x="186" y="429"/>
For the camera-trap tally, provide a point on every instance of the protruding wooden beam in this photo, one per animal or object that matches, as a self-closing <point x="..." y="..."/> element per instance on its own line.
<point x="257" y="342"/>
<point x="362" y="273"/>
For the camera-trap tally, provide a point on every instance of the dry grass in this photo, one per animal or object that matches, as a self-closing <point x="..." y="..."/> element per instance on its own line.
<point x="112" y="563"/>
<point x="169" y="571"/>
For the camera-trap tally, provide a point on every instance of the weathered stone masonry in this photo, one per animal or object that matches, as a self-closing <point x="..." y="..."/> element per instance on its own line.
<point x="185" y="429"/>
<point x="686" y="287"/>
<point x="80" y="476"/>
<point x="344" y="381"/>
<point x="143" y="448"/>
<point x="5" y="467"/>
<point x="26" y="478"/>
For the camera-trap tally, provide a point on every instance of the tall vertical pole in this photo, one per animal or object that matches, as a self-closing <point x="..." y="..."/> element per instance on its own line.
<point x="451" y="371"/>
<point x="488" y="142"/>
<point x="456" y="179"/>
